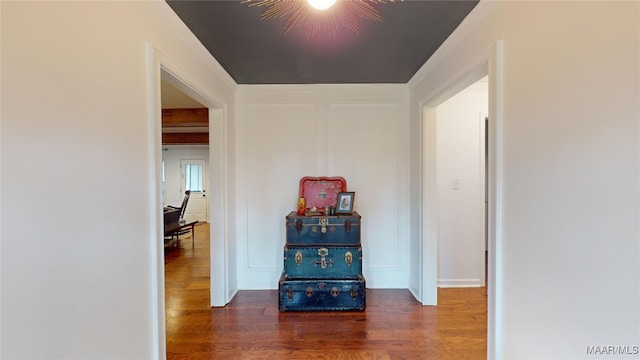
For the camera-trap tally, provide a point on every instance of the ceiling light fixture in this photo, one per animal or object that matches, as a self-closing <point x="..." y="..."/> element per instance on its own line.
<point x="334" y="15"/>
<point x="321" y="4"/>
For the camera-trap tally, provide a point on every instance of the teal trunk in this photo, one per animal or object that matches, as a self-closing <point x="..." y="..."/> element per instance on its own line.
<point x="317" y="262"/>
<point x="322" y="263"/>
<point x="323" y="230"/>
<point x="321" y="295"/>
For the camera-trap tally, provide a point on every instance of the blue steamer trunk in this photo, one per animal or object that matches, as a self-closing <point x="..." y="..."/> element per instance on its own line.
<point x="321" y="295"/>
<point x="323" y="230"/>
<point x="343" y="262"/>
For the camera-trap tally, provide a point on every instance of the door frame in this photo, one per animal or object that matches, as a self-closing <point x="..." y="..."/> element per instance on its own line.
<point x="488" y="63"/>
<point x="162" y="68"/>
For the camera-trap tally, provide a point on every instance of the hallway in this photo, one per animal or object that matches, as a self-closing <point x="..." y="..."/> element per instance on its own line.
<point x="394" y="325"/>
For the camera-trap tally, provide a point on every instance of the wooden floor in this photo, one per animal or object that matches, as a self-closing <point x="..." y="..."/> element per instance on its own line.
<point x="394" y="325"/>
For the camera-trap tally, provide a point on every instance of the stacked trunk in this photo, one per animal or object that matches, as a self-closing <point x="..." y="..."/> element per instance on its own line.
<point x="322" y="264"/>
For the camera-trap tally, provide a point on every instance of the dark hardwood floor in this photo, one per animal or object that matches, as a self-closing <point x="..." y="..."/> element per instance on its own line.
<point x="393" y="326"/>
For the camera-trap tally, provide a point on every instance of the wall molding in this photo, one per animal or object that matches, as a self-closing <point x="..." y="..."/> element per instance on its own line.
<point x="332" y="131"/>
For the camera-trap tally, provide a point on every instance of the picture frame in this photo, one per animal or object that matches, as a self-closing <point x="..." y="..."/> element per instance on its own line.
<point x="345" y="202"/>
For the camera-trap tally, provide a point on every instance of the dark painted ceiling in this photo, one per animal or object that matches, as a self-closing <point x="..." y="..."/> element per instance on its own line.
<point x="255" y="51"/>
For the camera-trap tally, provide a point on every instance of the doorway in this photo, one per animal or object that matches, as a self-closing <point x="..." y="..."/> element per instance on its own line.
<point x="487" y="63"/>
<point x="185" y="158"/>
<point x="194" y="179"/>
<point x="163" y="69"/>
<point x="461" y="177"/>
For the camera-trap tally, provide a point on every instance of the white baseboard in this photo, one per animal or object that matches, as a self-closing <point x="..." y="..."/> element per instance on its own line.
<point x="460" y="283"/>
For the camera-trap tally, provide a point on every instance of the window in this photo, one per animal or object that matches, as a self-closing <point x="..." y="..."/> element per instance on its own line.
<point x="193" y="177"/>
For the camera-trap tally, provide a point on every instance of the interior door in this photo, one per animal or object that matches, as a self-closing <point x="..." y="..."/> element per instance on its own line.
<point x="194" y="178"/>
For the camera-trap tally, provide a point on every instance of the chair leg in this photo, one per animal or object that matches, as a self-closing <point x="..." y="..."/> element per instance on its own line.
<point x="193" y="238"/>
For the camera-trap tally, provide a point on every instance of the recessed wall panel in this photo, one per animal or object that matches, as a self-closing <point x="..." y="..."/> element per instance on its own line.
<point x="363" y="147"/>
<point x="281" y="143"/>
<point x="287" y="132"/>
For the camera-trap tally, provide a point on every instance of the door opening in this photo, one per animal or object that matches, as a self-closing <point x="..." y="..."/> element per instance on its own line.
<point x="194" y="178"/>
<point x="180" y="175"/>
<point x="460" y="157"/>
<point x="163" y="69"/>
<point x="488" y="63"/>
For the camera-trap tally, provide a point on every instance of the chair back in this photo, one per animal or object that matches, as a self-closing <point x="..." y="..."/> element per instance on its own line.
<point x="183" y="207"/>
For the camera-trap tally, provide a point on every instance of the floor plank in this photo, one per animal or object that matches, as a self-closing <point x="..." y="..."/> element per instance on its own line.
<point x="393" y="326"/>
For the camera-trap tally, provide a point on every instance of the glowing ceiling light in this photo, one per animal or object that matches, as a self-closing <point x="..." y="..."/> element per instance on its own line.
<point x="321" y="4"/>
<point x="346" y="13"/>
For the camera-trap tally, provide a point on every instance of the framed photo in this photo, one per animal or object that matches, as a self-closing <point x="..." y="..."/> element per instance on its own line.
<point x="345" y="202"/>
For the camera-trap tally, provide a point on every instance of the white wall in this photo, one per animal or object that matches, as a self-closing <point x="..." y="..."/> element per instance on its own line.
<point x="287" y="132"/>
<point x="77" y="262"/>
<point x="460" y="156"/>
<point x="567" y="115"/>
